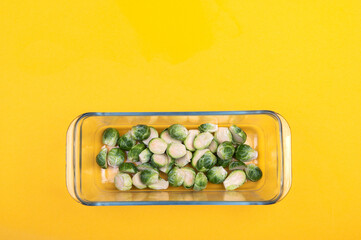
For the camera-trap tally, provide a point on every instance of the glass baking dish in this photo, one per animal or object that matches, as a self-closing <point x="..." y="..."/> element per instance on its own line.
<point x="267" y="131"/>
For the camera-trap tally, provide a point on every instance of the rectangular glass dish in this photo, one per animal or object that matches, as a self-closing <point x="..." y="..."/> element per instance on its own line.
<point x="267" y="131"/>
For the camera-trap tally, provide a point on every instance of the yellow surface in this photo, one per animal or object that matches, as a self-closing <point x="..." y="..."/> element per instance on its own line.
<point x="59" y="59"/>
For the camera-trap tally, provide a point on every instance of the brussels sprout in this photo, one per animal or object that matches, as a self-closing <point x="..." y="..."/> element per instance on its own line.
<point x="159" y="185"/>
<point x="225" y="150"/>
<point x="140" y="132"/>
<point x="213" y="146"/>
<point x="223" y="163"/>
<point x="216" y="174"/>
<point x="110" y="137"/>
<point x="137" y="182"/>
<point x="123" y="182"/>
<point x="245" y="153"/>
<point x="200" y="181"/>
<point x="253" y="172"/>
<point x="223" y="135"/>
<point x="178" y="132"/>
<point x="115" y="157"/>
<point x="167" y="138"/>
<point x="188" y="142"/>
<point x="127" y="167"/>
<point x="145" y="155"/>
<point x="237" y="165"/>
<point x="203" y="140"/>
<point x="203" y="161"/>
<point x="181" y="162"/>
<point x="149" y="176"/>
<point x="101" y="158"/>
<point x="197" y="155"/>
<point x="153" y="134"/>
<point x="189" y="177"/>
<point x="145" y="166"/>
<point x="176" y="177"/>
<point x="239" y="136"/>
<point x="234" y="180"/>
<point x="157" y="146"/>
<point x="167" y="167"/>
<point x="159" y="160"/>
<point x="176" y="150"/>
<point x="208" y="127"/>
<point x="126" y="142"/>
<point x="133" y="154"/>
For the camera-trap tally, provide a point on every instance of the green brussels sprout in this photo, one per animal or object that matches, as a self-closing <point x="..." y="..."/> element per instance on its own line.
<point x="167" y="138"/>
<point x="203" y="160"/>
<point x="239" y="136"/>
<point x="189" y="177"/>
<point x="213" y="146"/>
<point x="188" y="142"/>
<point x="253" y="172"/>
<point x="159" y="160"/>
<point x="157" y="146"/>
<point x="115" y="157"/>
<point x="223" y="135"/>
<point x="181" y="162"/>
<point x="176" y="150"/>
<point x="153" y="134"/>
<point x="101" y="158"/>
<point x="234" y="180"/>
<point x="110" y="137"/>
<point x="128" y="167"/>
<point x="137" y="182"/>
<point x="149" y="176"/>
<point x="176" y="177"/>
<point x="145" y="155"/>
<point x="178" y="132"/>
<point x="140" y="132"/>
<point x="126" y="142"/>
<point x="225" y="150"/>
<point x="133" y="154"/>
<point x="216" y="174"/>
<point x="200" y="181"/>
<point x="202" y="140"/>
<point x="208" y="127"/>
<point x="223" y="163"/>
<point x="168" y="166"/>
<point x="123" y="182"/>
<point x="161" y="184"/>
<point x="237" y="165"/>
<point x="245" y="153"/>
<point x="145" y="166"/>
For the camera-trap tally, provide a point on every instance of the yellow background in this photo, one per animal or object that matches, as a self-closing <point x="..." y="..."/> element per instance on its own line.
<point x="59" y="59"/>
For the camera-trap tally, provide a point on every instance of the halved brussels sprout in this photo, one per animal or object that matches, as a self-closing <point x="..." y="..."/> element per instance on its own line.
<point x="133" y="154"/>
<point x="239" y="136"/>
<point x="128" y="167"/>
<point x="140" y="132"/>
<point x="200" y="181"/>
<point x="167" y="167"/>
<point x="234" y="180"/>
<point x="223" y="163"/>
<point x="157" y="146"/>
<point x="126" y="142"/>
<point x="188" y="142"/>
<point x="123" y="182"/>
<point x="145" y="155"/>
<point x="245" y="153"/>
<point x="197" y="155"/>
<point x="189" y="177"/>
<point x="223" y="135"/>
<point x="225" y="150"/>
<point x="208" y="127"/>
<point x="159" y="160"/>
<point x="145" y="166"/>
<point x="237" y="165"/>
<point x="110" y="137"/>
<point x="178" y="132"/>
<point x="213" y="146"/>
<point x="216" y="174"/>
<point x="161" y="184"/>
<point x="202" y="140"/>
<point x="149" y="176"/>
<point x="181" y="162"/>
<point x="167" y="138"/>
<point x="176" y="150"/>
<point x="176" y="177"/>
<point x="153" y="134"/>
<point x="203" y="160"/>
<point x="115" y="157"/>
<point x="137" y="182"/>
<point x="101" y="158"/>
<point x="253" y="172"/>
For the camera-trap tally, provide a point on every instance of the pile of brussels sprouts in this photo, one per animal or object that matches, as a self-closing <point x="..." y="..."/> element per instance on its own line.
<point x="210" y="150"/>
